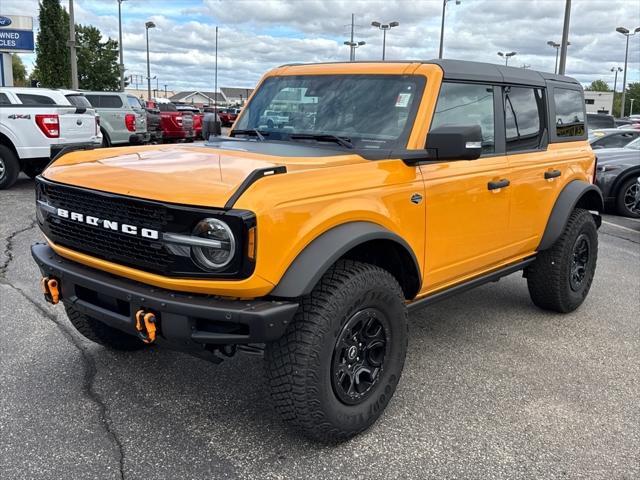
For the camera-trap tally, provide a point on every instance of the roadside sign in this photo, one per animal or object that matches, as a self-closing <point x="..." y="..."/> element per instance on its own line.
<point x="16" y="33"/>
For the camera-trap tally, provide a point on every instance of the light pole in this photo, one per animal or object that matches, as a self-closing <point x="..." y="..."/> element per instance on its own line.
<point x="565" y="38"/>
<point x="444" y="8"/>
<point x="615" y="78"/>
<point x="627" y="34"/>
<point x="557" y="47"/>
<point x="506" y="56"/>
<point x="148" y="25"/>
<point x="384" y="27"/>
<point x="353" y="46"/>
<point x="120" y="44"/>
<point x="631" y="108"/>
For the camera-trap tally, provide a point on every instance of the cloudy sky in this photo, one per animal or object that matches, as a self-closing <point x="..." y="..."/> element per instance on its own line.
<point x="255" y="36"/>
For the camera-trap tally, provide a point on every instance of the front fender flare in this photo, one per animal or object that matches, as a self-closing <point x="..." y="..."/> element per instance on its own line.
<point x="577" y="193"/>
<point x="317" y="257"/>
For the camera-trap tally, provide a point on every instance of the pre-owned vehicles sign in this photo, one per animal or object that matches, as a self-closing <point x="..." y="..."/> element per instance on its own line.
<point x="16" y="33"/>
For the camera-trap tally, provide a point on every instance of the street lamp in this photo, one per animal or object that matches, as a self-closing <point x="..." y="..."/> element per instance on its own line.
<point x="353" y="46"/>
<point x="384" y="27"/>
<point x="148" y="25"/>
<point x="557" y="47"/>
<point x="615" y="78"/>
<point x="506" y="56"/>
<point x="444" y="7"/>
<point x="120" y="44"/>
<point x="626" y="33"/>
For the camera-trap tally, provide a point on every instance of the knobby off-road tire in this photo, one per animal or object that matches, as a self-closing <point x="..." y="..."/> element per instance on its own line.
<point x="352" y="325"/>
<point x="102" y="333"/>
<point x="560" y="278"/>
<point x="9" y="167"/>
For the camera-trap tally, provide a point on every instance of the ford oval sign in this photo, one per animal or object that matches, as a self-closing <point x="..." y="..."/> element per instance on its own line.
<point x="5" y="21"/>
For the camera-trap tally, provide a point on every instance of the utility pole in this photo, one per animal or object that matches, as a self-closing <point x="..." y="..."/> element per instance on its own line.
<point x="72" y="48"/>
<point x="120" y="44"/>
<point x="565" y="38"/>
<point x="165" y="90"/>
<point x="352" y="50"/>
<point x="615" y="78"/>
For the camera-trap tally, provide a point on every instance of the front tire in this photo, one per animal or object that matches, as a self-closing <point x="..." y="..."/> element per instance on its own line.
<point x="103" y="334"/>
<point x="627" y="201"/>
<point x="338" y="364"/>
<point x="560" y="278"/>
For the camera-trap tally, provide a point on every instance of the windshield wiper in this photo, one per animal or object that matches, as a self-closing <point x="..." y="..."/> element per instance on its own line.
<point x="323" y="137"/>
<point x="251" y="131"/>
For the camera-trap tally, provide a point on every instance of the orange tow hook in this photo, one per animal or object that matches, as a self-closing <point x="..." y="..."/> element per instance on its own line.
<point x="51" y="289"/>
<point x="146" y="326"/>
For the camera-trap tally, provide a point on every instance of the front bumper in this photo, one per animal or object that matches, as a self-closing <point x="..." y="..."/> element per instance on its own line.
<point x="186" y="321"/>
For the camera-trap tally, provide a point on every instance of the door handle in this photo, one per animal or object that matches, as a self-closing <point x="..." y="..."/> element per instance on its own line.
<point x="498" y="184"/>
<point x="549" y="174"/>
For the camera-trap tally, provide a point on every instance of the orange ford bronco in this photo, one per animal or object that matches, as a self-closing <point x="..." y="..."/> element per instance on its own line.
<point x="382" y="187"/>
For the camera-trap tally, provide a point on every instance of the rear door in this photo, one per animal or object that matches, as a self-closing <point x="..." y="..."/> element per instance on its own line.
<point x="78" y="125"/>
<point x="466" y="213"/>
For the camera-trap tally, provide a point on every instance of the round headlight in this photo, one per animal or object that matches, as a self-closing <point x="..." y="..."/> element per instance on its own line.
<point x="221" y="244"/>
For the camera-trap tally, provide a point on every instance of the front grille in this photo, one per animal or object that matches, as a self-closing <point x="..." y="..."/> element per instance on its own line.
<point x="109" y="245"/>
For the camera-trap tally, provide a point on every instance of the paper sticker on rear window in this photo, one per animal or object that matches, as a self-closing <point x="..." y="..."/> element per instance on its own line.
<point x="403" y="100"/>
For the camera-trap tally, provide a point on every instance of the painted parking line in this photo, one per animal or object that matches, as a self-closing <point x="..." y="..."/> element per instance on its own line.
<point x="620" y="226"/>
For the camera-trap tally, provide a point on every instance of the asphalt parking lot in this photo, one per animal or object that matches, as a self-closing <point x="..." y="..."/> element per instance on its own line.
<point x="492" y="388"/>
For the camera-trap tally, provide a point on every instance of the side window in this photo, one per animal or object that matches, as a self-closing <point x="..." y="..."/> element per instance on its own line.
<point x="94" y="100"/>
<point x="569" y="112"/>
<point x="134" y="102"/>
<point x="30" y="99"/>
<point x="467" y="104"/>
<point x="618" y="140"/>
<point x="4" y="100"/>
<point x="524" y="118"/>
<point x="110" y="101"/>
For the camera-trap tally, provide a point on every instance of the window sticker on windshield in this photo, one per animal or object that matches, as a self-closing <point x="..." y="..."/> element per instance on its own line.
<point x="403" y="100"/>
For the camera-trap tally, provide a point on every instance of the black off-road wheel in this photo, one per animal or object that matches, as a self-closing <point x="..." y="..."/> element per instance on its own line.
<point x="628" y="199"/>
<point x="334" y="371"/>
<point x="560" y="278"/>
<point x="9" y="167"/>
<point x="103" y="334"/>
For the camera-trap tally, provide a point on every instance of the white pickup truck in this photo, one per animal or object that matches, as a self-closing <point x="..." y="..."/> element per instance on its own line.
<point x="38" y="123"/>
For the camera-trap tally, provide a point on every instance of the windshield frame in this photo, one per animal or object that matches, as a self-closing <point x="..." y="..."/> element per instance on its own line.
<point x="420" y="82"/>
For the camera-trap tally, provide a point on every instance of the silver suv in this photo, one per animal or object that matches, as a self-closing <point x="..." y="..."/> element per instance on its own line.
<point x="123" y="119"/>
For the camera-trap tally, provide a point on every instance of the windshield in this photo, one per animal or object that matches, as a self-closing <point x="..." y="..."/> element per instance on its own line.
<point x="371" y="111"/>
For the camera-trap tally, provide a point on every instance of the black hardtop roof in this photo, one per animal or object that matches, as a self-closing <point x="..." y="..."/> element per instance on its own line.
<point x="483" y="72"/>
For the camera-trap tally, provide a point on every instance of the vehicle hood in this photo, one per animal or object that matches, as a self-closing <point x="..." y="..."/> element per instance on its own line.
<point x="189" y="175"/>
<point x="627" y="156"/>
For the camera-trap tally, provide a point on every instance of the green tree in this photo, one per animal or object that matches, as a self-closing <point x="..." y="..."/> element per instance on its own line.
<point x="97" y="60"/>
<point x="633" y="91"/>
<point x="19" y="71"/>
<point x="52" y="67"/>
<point x="598" y="86"/>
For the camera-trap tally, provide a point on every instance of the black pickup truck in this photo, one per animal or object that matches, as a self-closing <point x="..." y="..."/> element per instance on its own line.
<point x="153" y="123"/>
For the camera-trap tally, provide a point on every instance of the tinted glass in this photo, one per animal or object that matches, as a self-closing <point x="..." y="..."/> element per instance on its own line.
<point x="30" y="99"/>
<point x="616" y="141"/>
<point x="524" y="119"/>
<point x="569" y="112"/>
<point x="600" y="121"/>
<point x="467" y="104"/>
<point x="94" y="100"/>
<point x="372" y="111"/>
<point x="4" y="100"/>
<point x="134" y="102"/>
<point x="110" y="101"/>
<point x="78" y="101"/>
<point x="167" y="107"/>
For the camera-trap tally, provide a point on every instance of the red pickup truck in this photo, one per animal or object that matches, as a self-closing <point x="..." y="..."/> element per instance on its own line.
<point x="228" y="116"/>
<point x="175" y="124"/>
<point x="197" y="118"/>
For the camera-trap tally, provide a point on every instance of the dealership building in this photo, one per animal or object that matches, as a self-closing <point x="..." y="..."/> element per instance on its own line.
<point x="598" y="102"/>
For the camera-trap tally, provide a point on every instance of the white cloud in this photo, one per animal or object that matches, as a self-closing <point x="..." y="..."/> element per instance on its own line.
<point x="256" y="35"/>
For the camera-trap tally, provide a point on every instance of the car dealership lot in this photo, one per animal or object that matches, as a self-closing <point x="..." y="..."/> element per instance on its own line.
<point x="492" y="388"/>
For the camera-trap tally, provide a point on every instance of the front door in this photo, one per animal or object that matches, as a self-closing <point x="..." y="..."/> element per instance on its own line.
<point x="467" y="202"/>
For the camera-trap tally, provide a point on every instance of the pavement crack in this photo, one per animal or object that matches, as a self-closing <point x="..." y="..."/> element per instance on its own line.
<point x="89" y="375"/>
<point x="8" y="250"/>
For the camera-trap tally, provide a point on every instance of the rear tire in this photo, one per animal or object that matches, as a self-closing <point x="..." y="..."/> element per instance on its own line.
<point x="338" y="364"/>
<point x="560" y="278"/>
<point x="103" y="334"/>
<point x="625" y="201"/>
<point x="9" y="167"/>
<point x="106" y="141"/>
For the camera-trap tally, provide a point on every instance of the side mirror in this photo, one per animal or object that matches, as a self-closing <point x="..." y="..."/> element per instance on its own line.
<point x="449" y="142"/>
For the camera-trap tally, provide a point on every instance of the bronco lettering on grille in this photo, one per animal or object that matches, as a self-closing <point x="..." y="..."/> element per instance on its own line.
<point x="108" y="224"/>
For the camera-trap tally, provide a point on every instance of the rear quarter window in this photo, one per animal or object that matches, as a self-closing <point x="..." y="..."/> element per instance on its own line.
<point x="4" y="100"/>
<point x="110" y="101"/>
<point x="569" y="108"/>
<point x="32" y="99"/>
<point x="134" y="102"/>
<point x="79" y="101"/>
